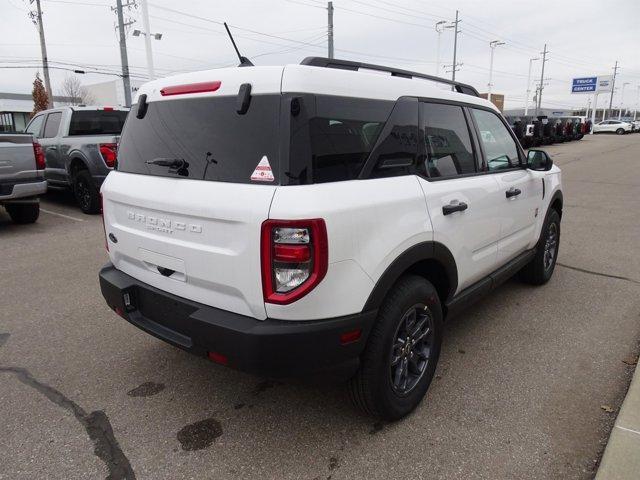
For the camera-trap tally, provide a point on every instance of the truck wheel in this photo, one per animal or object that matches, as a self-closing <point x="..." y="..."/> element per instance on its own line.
<point x="620" y="131"/>
<point x="402" y="351"/>
<point x="23" y="212"/>
<point x="539" y="270"/>
<point x="86" y="192"/>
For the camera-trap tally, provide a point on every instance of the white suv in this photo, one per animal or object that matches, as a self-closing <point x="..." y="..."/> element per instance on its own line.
<point x="321" y="218"/>
<point x="613" y="126"/>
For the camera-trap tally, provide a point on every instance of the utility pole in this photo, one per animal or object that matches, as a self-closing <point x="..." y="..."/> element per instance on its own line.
<point x="123" y="54"/>
<point x="493" y="44"/>
<point x="36" y="18"/>
<point x="330" y="29"/>
<point x="635" y="111"/>
<point x="147" y="39"/>
<point x="622" y="100"/>
<point x="455" y="47"/>
<point x="613" y="86"/>
<point x="439" y="28"/>
<point x="454" y="25"/>
<point x="526" y="98"/>
<point x="544" y="60"/>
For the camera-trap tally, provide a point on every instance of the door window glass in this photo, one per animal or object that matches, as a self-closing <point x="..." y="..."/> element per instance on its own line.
<point x="35" y="126"/>
<point x="499" y="147"/>
<point x="52" y="125"/>
<point x="447" y="141"/>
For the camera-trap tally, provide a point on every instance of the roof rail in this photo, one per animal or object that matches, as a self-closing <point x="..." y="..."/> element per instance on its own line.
<point x="395" y="72"/>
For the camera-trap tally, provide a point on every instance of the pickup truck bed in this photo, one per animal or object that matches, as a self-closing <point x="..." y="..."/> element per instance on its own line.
<point x="21" y="178"/>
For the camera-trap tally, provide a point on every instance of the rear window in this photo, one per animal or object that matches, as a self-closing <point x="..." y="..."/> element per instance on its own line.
<point x="97" y="122"/>
<point x="207" y="138"/>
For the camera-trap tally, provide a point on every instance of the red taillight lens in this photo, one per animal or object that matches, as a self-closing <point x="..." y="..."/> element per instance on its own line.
<point x="191" y="88"/>
<point x="294" y="258"/>
<point x="109" y="152"/>
<point x="108" y="109"/>
<point x="39" y="154"/>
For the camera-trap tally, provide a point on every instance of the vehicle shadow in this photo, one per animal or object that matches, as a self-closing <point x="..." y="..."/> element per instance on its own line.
<point x="63" y="197"/>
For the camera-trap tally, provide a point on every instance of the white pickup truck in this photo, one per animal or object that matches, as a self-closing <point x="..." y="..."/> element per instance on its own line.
<point x="21" y="176"/>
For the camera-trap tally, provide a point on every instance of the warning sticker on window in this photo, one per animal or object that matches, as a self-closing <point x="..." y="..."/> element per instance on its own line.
<point x="263" y="172"/>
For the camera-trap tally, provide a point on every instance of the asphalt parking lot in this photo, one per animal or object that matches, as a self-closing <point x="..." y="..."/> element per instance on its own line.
<point x="519" y="393"/>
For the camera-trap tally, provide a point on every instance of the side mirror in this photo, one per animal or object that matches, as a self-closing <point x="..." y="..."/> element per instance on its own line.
<point x="539" y="160"/>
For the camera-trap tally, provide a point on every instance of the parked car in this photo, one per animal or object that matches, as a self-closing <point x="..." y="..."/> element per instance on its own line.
<point x="80" y="148"/>
<point x="612" y="126"/>
<point x="635" y="124"/>
<point x="281" y="222"/>
<point x="21" y="176"/>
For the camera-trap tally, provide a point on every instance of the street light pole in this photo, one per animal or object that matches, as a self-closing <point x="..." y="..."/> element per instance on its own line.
<point x="493" y="44"/>
<point x="439" y="28"/>
<point x="621" y="100"/>
<point x="635" y="111"/>
<point x="147" y="39"/>
<point x="526" y="98"/>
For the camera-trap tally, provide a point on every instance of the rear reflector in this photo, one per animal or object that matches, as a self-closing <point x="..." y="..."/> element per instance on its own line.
<point x="218" y="358"/>
<point x="291" y="253"/>
<point x="191" y="88"/>
<point x="108" y="109"/>
<point x="350" y="337"/>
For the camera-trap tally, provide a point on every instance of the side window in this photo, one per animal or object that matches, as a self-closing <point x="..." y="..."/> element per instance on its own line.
<point x="499" y="147"/>
<point x="447" y="140"/>
<point x="35" y="126"/>
<point x="52" y="125"/>
<point x="397" y="148"/>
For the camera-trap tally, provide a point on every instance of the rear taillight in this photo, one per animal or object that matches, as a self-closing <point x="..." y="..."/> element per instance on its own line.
<point x="294" y="258"/>
<point x="39" y="154"/>
<point x="109" y="152"/>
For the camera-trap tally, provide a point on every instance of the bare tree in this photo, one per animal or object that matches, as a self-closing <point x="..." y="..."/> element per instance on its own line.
<point x="72" y="88"/>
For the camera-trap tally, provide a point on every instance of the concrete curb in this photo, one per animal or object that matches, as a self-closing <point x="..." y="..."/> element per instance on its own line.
<point x="621" y="460"/>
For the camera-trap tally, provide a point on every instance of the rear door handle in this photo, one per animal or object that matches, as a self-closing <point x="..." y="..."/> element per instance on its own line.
<point x="454" y="207"/>
<point x="513" y="192"/>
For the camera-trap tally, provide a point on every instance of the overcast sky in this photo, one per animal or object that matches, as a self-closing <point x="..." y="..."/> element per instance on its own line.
<point x="584" y="38"/>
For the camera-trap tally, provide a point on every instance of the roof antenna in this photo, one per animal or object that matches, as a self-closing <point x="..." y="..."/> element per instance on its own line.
<point x="244" y="61"/>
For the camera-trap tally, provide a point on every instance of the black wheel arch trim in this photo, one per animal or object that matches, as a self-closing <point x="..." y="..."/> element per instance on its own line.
<point x="410" y="257"/>
<point x="76" y="157"/>
<point x="556" y="196"/>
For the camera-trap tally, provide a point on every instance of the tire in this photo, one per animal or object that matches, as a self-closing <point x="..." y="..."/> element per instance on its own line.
<point x="540" y="269"/>
<point x="410" y="303"/>
<point x="620" y="131"/>
<point x="23" y="213"/>
<point x="86" y="192"/>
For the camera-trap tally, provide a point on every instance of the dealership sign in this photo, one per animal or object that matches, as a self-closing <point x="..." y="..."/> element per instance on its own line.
<point x="591" y="84"/>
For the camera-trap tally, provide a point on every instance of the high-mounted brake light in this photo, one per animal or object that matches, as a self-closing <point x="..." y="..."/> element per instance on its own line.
<point x="191" y="88"/>
<point x="294" y="255"/>
<point x="109" y="152"/>
<point x="39" y="155"/>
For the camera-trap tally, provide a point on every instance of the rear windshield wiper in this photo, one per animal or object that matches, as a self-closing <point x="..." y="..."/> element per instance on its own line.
<point x="174" y="163"/>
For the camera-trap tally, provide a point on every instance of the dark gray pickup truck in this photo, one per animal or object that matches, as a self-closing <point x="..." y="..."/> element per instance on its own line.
<point x="80" y="147"/>
<point x="21" y="176"/>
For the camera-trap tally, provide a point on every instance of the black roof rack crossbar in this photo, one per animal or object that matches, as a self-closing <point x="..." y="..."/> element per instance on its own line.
<point x="395" y="72"/>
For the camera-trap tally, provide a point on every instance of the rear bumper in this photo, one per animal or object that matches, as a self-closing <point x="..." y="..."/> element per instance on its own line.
<point x="268" y="347"/>
<point x="12" y="191"/>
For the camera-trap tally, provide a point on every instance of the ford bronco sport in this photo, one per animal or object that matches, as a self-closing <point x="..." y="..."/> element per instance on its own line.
<point x="321" y="218"/>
